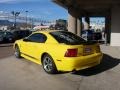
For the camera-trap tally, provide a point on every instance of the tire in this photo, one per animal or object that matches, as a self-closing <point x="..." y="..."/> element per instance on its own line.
<point x="48" y="64"/>
<point x="17" y="52"/>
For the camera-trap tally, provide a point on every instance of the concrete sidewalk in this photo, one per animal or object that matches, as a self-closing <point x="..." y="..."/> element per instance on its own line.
<point x="113" y="51"/>
<point x="20" y="74"/>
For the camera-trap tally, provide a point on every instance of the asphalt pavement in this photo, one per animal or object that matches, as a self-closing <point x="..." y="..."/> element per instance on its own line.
<point x="6" y="50"/>
<point x="21" y="74"/>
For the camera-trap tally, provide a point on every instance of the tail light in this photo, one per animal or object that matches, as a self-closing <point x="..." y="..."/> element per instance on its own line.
<point x="71" y="52"/>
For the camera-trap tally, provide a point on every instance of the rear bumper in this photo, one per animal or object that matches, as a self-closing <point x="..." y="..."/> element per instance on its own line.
<point x="79" y="63"/>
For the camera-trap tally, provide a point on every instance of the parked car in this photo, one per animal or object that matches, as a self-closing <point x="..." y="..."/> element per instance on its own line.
<point x="1" y="36"/>
<point x="87" y="34"/>
<point x="19" y="34"/>
<point x="8" y="36"/>
<point x="97" y="36"/>
<point x="90" y="35"/>
<point x="58" y="51"/>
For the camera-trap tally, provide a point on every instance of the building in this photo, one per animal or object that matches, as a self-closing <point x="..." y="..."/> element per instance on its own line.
<point x="110" y="9"/>
<point x="59" y="24"/>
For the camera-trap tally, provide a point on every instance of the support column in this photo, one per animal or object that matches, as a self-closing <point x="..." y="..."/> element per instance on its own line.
<point x="72" y="24"/>
<point x="115" y="26"/>
<point x="79" y="26"/>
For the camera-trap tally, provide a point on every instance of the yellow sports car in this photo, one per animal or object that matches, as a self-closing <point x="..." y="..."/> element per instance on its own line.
<point x="58" y="51"/>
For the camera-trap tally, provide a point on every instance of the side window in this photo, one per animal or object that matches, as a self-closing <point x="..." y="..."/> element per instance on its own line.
<point x="37" y="37"/>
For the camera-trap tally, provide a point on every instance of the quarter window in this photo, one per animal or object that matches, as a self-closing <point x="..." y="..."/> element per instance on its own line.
<point x="37" y="37"/>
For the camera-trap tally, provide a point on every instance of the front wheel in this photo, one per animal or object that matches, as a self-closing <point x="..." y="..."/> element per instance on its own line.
<point x="48" y="64"/>
<point x="17" y="52"/>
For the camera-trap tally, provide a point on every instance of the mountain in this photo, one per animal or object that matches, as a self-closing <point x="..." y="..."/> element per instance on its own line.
<point x="5" y="22"/>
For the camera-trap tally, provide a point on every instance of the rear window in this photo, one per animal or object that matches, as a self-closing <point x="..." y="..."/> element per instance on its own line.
<point x="67" y="37"/>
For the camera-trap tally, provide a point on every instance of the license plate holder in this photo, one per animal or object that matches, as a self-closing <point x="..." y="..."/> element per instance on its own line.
<point x="87" y="50"/>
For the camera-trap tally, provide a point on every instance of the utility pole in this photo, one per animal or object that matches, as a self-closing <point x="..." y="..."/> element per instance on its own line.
<point x="32" y="23"/>
<point x="15" y="14"/>
<point x="26" y="19"/>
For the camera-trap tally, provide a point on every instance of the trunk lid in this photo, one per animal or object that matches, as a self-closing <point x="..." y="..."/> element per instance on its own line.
<point x="84" y="49"/>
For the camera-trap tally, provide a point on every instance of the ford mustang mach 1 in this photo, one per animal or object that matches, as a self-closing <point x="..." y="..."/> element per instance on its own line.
<point x="58" y="51"/>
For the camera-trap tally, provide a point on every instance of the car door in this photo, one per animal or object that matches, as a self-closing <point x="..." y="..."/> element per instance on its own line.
<point x="35" y="45"/>
<point x="1" y="36"/>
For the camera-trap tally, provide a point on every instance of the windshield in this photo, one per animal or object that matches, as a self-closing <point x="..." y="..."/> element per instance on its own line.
<point x="67" y="37"/>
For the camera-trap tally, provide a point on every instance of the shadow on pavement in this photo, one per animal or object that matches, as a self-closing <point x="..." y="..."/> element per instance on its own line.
<point x="107" y="63"/>
<point x="6" y="44"/>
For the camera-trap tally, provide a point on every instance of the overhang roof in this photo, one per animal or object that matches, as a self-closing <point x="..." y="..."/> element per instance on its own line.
<point x="88" y="5"/>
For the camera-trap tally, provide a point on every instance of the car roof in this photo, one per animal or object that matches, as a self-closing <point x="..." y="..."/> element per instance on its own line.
<point x="46" y="32"/>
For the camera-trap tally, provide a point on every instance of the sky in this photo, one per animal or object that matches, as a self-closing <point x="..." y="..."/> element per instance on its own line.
<point x="44" y="9"/>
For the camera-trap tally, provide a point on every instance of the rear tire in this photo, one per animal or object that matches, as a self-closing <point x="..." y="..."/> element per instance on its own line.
<point x="17" y="52"/>
<point x="48" y="64"/>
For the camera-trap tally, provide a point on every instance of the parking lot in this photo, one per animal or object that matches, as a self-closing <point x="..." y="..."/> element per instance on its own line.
<point x="6" y="50"/>
<point x="20" y="74"/>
